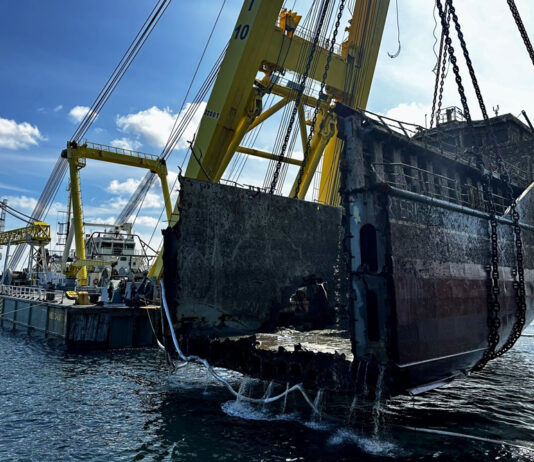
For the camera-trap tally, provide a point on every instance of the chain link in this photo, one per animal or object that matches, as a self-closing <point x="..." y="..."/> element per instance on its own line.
<point x="302" y="84"/>
<point x="521" y="28"/>
<point x="321" y="91"/>
<point x="438" y="73"/>
<point x="443" y="63"/>
<point x="454" y="61"/>
<point x="494" y="321"/>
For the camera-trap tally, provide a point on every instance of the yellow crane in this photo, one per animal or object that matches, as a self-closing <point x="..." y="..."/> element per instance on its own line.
<point x="263" y="32"/>
<point x="76" y="156"/>
<point x="36" y="235"/>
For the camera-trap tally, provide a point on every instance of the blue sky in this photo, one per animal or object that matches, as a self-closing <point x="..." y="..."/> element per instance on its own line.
<point x="56" y="55"/>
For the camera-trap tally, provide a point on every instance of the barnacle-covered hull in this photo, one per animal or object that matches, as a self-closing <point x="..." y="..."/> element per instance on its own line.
<point x="391" y="287"/>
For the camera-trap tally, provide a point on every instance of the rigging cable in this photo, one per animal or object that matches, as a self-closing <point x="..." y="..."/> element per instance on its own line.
<point x="397" y="53"/>
<point x="60" y="168"/>
<point x="319" y="97"/>
<point x="302" y="83"/>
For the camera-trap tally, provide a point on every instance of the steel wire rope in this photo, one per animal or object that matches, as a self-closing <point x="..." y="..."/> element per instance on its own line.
<point x="117" y="75"/>
<point x="321" y="91"/>
<point x="310" y="88"/>
<point x="51" y="188"/>
<point x="150" y="177"/>
<point x="169" y="146"/>
<point x="397" y="53"/>
<point x="309" y="19"/>
<point x="303" y="80"/>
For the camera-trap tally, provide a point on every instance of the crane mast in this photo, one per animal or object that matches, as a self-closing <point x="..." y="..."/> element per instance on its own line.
<point x="235" y="105"/>
<point x="261" y="35"/>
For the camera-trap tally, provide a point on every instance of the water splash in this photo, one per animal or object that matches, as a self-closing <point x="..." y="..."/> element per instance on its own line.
<point x="267" y="394"/>
<point x="243" y="389"/>
<point x="365" y="391"/>
<point x="318" y="404"/>
<point x="344" y="436"/>
<point x="284" y="401"/>
<point x="377" y="408"/>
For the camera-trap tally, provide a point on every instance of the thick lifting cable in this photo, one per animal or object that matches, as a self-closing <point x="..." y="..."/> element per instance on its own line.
<point x="319" y="97"/>
<point x="521" y="27"/>
<point x="302" y="83"/>
<point x="121" y="68"/>
<point x="310" y="24"/>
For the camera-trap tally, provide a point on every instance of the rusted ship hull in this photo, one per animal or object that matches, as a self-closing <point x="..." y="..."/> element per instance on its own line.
<point x="273" y="290"/>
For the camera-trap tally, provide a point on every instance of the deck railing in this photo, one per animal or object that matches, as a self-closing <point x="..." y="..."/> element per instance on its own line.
<point x="32" y="293"/>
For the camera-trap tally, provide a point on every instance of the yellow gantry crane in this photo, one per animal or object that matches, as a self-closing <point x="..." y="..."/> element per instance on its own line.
<point x="36" y="235"/>
<point x="76" y="156"/>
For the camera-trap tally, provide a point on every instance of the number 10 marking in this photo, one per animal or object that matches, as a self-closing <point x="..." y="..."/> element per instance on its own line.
<point x="241" y="32"/>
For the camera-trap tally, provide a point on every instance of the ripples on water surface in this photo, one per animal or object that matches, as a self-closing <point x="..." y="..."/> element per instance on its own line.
<point x="126" y="406"/>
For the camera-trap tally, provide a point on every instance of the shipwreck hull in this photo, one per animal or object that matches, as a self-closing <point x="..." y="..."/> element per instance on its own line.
<point x="389" y="288"/>
<point x="420" y="287"/>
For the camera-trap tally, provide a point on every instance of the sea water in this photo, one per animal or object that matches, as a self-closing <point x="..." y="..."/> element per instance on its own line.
<point x="127" y="405"/>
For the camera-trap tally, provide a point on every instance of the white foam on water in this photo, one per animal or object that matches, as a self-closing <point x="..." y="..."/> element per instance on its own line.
<point x="318" y="425"/>
<point x="248" y="411"/>
<point x="374" y="446"/>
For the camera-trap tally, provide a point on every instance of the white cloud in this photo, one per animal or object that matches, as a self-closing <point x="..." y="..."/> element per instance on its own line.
<point x="155" y="124"/>
<point x="125" y="143"/>
<point x="58" y="108"/>
<point x="15" y="135"/>
<point x="77" y="113"/>
<point x="413" y="113"/>
<point x="125" y="187"/>
<point x="153" y="199"/>
<point x="101" y="221"/>
<point x="150" y="222"/>
<point x="23" y="203"/>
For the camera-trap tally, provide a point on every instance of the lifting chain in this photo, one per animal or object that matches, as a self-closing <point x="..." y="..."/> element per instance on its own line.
<point x="319" y="98"/>
<point x="302" y="84"/>
<point x="454" y="61"/>
<point x="440" y="80"/>
<point x="521" y="28"/>
<point x="494" y="321"/>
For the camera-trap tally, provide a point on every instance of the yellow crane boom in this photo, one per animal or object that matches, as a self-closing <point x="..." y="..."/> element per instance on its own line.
<point x="37" y="234"/>
<point x="261" y="35"/>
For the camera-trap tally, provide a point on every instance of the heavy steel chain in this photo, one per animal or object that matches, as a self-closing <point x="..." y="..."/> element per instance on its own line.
<point x="321" y="92"/>
<point x="438" y="74"/>
<point x="519" y="285"/>
<point x="521" y="27"/>
<point x="443" y="62"/>
<point x="302" y="84"/>
<point x="454" y="61"/>
<point x="468" y="61"/>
